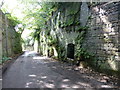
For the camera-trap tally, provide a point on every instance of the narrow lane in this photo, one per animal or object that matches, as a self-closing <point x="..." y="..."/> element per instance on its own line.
<point x="33" y="71"/>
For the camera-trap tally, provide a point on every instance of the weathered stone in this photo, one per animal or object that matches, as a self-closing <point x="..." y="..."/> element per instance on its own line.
<point x="103" y="38"/>
<point x="7" y="38"/>
<point x="84" y="14"/>
<point x="0" y="35"/>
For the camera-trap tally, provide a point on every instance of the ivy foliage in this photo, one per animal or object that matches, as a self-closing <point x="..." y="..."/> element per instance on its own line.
<point x="81" y="53"/>
<point x="36" y="34"/>
<point x="52" y="41"/>
<point x="4" y="59"/>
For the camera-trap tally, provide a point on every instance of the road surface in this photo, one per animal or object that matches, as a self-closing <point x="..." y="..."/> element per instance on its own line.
<point x="33" y="71"/>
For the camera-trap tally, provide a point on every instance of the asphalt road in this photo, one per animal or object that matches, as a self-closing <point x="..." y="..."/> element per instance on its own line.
<point x="33" y="71"/>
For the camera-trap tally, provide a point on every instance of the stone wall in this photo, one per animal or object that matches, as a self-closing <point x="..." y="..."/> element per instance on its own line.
<point x="0" y="36"/>
<point x="67" y="14"/>
<point x="9" y="38"/>
<point x="102" y="39"/>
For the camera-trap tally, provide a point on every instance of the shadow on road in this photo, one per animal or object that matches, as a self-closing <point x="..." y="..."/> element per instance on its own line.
<point x="34" y="71"/>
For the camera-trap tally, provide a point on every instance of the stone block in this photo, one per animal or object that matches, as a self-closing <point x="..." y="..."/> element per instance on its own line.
<point x="103" y="36"/>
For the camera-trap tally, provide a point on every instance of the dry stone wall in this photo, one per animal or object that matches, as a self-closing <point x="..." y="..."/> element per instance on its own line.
<point x="103" y="37"/>
<point x="9" y="38"/>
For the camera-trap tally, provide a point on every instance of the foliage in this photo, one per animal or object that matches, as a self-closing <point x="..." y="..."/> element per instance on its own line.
<point x="61" y="52"/>
<point x="69" y="22"/>
<point x="81" y="28"/>
<point x="4" y="59"/>
<point x="36" y="34"/>
<point x="39" y="16"/>
<point x="60" y="49"/>
<point x="81" y="53"/>
<point x="52" y="41"/>
<point x="13" y="20"/>
<point x="17" y="44"/>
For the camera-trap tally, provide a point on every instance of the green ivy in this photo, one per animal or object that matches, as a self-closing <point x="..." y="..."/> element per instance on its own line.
<point x="81" y="53"/>
<point x="81" y="28"/>
<point x="67" y="23"/>
<point x="4" y="59"/>
<point x="52" y="41"/>
<point x="61" y="53"/>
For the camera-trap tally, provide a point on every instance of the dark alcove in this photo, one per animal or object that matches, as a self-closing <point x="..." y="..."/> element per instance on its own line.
<point x="70" y="50"/>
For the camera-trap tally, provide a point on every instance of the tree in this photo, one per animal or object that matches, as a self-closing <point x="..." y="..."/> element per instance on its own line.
<point x="36" y="36"/>
<point x="1" y="3"/>
<point x="36" y="14"/>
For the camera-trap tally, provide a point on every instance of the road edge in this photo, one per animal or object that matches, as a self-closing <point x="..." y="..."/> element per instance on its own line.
<point x="9" y="63"/>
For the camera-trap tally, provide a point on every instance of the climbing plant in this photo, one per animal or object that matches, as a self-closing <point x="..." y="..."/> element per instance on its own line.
<point x="81" y="53"/>
<point x="52" y="41"/>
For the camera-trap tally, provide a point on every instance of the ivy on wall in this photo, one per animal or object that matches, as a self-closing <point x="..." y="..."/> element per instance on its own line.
<point x="68" y="19"/>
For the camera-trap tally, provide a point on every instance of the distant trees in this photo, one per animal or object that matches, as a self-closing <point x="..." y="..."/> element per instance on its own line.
<point x="34" y="16"/>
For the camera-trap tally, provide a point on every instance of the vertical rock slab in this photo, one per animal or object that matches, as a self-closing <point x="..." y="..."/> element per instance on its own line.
<point x="0" y="36"/>
<point x="84" y="14"/>
<point x="0" y="49"/>
<point x="6" y="31"/>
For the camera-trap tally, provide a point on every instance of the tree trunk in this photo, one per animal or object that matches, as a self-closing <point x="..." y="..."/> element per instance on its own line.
<point x="38" y="48"/>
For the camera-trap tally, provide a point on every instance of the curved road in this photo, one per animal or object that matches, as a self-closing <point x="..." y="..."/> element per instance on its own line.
<point x="33" y="71"/>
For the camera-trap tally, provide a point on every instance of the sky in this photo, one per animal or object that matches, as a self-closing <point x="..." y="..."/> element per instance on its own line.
<point x="14" y="8"/>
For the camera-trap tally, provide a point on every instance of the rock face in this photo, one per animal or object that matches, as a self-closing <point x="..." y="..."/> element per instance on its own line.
<point x="9" y="38"/>
<point x="0" y="37"/>
<point x="63" y="27"/>
<point x="101" y="39"/>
